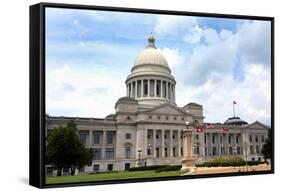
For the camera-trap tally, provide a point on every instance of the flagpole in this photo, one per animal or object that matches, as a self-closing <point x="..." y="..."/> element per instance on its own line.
<point x="207" y="141"/>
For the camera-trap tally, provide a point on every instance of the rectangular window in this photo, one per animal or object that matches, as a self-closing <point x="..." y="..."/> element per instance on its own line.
<point x="238" y="151"/>
<point x="214" y="151"/>
<point x="157" y="152"/>
<point x="96" y="168"/>
<point x="262" y="138"/>
<point x="145" y="88"/>
<point x="257" y="149"/>
<point x="174" y="151"/>
<point x="110" y="167"/>
<point x="229" y="139"/>
<point x="197" y="137"/>
<point x="237" y="139"/>
<point x="250" y="138"/>
<point x="83" y="137"/>
<point x="110" y="138"/>
<point x="166" y="152"/>
<point x="127" y="166"/>
<point x="96" y="154"/>
<point x="181" y="151"/>
<point x="128" y="152"/>
<point x="128" y="135"/>
<point x="158" y="84"/>
<point x="213" y="139"/>
<point x="251" y="149"/>
<point x="230" y="150"/>
<point x="109" y="153"/>
<point x="222" y="151"/>
<point x="96" y="138"/>
<point x="257" y="138"/>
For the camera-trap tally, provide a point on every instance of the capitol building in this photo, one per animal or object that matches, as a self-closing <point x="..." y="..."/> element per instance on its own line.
<point x="146" y="128"/>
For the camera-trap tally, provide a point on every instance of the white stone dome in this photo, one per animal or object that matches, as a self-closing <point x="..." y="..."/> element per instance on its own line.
<point x="151" y="58"/>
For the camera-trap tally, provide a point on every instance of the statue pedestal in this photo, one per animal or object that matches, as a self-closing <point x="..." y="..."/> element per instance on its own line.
<point x="188" y="163"/>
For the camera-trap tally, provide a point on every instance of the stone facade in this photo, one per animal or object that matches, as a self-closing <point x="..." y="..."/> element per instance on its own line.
<point x="147" y="126"/>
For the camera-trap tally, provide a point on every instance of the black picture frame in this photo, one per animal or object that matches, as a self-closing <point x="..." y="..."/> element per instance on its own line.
<point x="37" y="91"/>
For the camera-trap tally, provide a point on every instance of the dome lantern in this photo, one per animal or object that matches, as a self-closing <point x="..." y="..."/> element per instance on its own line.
<point x="151" y="41"/>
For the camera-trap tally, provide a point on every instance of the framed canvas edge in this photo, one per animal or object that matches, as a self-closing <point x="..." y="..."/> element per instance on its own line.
<point x="37" y="92"/>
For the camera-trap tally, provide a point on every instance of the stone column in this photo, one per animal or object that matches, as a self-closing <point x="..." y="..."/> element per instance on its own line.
<point x="179" y="143"/>
<point x="90" y="137"/>
<point x="127" y="90"/>
<point x="136" y="89"/>
<point x="103" y="144"/>
<point x="227" y="145"/>
<point x="155" y="85"/>
<point x="141" y="92"/>
<point x="148" y="88"/>
<point x="167" y="90"/>
<point x="131" y="89"/>
<point x="163" y="143"/>
<point x="188" y="159"/>
<point x="210" y="149"/>
<point x="219" y="144"/>
<point x="171" y="143"/>
<point x="161" y="88"/>
<point x="154" y="143"/>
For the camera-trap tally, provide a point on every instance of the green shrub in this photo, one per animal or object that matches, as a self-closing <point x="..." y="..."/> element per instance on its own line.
<point x="231" y="161"/>
<point x="169" y="168"/>
<point x="155" y="167"/>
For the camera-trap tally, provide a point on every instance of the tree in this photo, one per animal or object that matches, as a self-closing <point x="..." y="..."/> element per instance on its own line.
<point x="65" y="151"/>
<point x="267" y="148"/>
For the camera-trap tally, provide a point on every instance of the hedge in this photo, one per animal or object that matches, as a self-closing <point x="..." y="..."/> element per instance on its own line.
<point x="169" y="168"/>
<point x="157" y="168"/>
<point x="232" y="161"/>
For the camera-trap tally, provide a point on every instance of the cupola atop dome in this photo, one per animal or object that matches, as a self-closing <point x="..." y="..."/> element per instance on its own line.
<point x="151" y="41"/>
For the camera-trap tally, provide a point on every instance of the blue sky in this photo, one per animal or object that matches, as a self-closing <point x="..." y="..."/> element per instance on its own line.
<point x="214" y="60"/>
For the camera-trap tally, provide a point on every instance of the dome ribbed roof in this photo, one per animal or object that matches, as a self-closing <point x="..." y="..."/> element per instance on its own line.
<point x="235" y="121"/>
<point x="151" y="56"/>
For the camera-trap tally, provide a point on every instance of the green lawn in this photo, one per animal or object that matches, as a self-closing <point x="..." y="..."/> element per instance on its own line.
<point x="111" y="176"/>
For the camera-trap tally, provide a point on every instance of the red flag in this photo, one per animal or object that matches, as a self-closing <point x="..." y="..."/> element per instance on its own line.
<point x="199" y="129"/>
<point x="210" y="126"/>
<point x="234" y="102"/>
<point x="224" y="129"/>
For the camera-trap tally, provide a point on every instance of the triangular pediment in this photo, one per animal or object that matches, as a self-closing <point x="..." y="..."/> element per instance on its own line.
<point x="166" y="108"/>
<point x="257" y="125"/>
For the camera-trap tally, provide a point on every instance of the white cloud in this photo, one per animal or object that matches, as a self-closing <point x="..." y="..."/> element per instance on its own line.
<point x="173" y="56"/>
<point x="208" y="73"/>
<point x="92" y="93"/>
<point x="217" y="94"/>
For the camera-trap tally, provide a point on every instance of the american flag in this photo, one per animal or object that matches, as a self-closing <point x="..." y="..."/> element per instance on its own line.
<point x="224" y="129"/>
<point x="209" y="126"/>
<point x="234" y="102"/>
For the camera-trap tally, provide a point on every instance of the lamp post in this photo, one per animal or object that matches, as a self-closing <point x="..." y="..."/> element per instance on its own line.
<point x="235" y="150"/>
<point x="149" y="149"/>
<point x="139" y="151"/>
<point x="187" y="124"/>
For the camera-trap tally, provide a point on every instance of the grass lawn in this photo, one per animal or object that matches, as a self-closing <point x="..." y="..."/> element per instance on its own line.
<point x="111" y="176"/>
